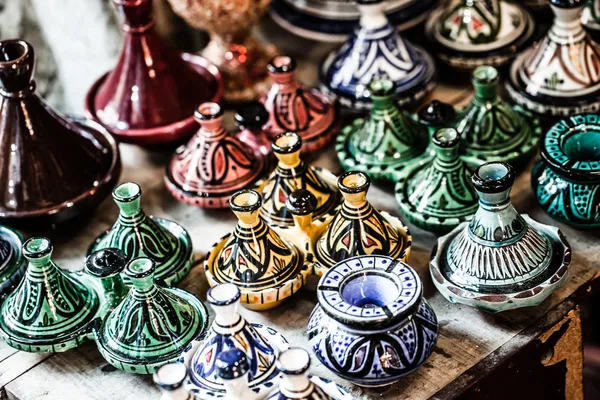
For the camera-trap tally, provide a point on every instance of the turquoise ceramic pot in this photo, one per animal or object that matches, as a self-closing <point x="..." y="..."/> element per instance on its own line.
<point x="566" y="179"/>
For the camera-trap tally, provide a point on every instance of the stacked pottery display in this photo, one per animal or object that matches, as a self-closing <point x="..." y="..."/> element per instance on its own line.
<point x="382" y="144"/>
<point x="566" y="180"/>
<point x="241" y="58"/>
<point x="375" y="49"/>
<point x="54" y="168"/>
<point x="500" y="260"/>
<point x="293" y="107"/>
<point x="334" y="20"/>
<point x="214" y="164"/>
<point x="150" y="96"/>
<point x="559" y="76"/>
<point x="467" y="34"/>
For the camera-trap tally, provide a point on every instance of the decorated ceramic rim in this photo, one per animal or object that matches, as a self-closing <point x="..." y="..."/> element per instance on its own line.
<point x="469" y="59"/>
<point x="15" y="266"/>
<point x="513" y="156"/>
<point x="281" y="64"/>
<point x="396" y="293"/>
<point x="566" y="150"/>
<point x="275" y="339"/>
<point x="89" y="199"/>
<point x="149" y="365"/>
<point x="265" y="299"/>
<point x="436" y="114"/>
<point x="293" y="361"/>
<point x="405" y="96"/>
<point x="171" y="376"/>
<point x="178" y="272"/>
<point x="166" y="133"/>
<point x="223" y="294"/>
<point x="327" y="27"/>
<point x="493" y="177"/>
<point x="557" y="274"/>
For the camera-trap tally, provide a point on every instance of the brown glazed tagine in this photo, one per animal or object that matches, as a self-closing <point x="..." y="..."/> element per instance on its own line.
<point x="233" y="48"/>
<point x="52" y="168"/>
<point x="150" y="96"/>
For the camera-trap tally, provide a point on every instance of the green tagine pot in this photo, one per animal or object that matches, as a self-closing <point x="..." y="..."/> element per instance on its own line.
<point x="152" y="325"/>
<point x="139" y="235"/>
<point x="566" y="179"/>
<point x="383" y="143"/>
<point x="439" y="195"/>
<point x="52" y="309"/>
<point x="491" y="129"/>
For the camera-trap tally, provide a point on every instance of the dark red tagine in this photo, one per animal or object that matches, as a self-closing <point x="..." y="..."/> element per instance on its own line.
<point x="150" y="96"/>
<point x="51" y="168"/>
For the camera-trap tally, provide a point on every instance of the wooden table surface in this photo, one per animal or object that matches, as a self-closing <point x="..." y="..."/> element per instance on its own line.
<point x="467" y="336"/>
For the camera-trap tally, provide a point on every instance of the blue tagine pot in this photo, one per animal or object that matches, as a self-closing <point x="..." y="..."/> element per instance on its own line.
<point x="566" y="179"/>
<point x="372" y="325"/>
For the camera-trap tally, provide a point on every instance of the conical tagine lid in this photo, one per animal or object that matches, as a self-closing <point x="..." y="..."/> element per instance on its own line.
<point x="214" y="164"/>
<point x="386" y="141"/>
<point x="152" y="325"/>
<point x="293" y="174"/>
<point x="493" y="130"/>
<point x="374" y="50"/>
<point x="53" y="168"/>
<point x="151" y="94"/>
<point x="139" y="235"/>
<point x="439" y="195"/>
<point x="501" y="259"/>
<point x="470" y="33"/>
<point x="559" y="75"/>
<point x="359" y="229"/>
<point x="50" y="310"/>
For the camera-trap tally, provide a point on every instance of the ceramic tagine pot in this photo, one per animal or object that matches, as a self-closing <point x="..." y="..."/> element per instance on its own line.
<point x="250" y="121"/>
<point x="296" y="384"/>
<point x="233" y="48"/>
<point x="439" y="195"/>
<point x="590" y="18"/>
<point x="359" y="229"/>
<point x="292" y="174"/>
<point x="150" y="96"/>
<point x="266" y="268"/>
<point x="211" y="374"/>
<point x="467" y="34"/>
<point x="372" y="325"/>
<point x="559" y="76"/>
<point x="334" y="20"/>
<point x="436" y="115"/>
<point x="213" y="165"/>
<point x="12" y="261"/>
<point x="152" y="325"/>
<point x="501" y="260"/>
<point x="294" y="107"/>
<point x="170" y="378"/>
<point x="55" y="168"/>
<point x="566" y="179"/>
<point x="51" y="310"/>
<point x="493" y="130"/>
<point x="376" y="49"/>
<point x="139" y="235"/>
<point x="386" y="141"/>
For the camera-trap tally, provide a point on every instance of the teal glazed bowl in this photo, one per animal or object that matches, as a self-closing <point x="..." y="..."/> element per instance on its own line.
<point x="566" y="179"/>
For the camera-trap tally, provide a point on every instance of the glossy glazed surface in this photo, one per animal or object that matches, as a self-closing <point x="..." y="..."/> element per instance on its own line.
<point x="54" y="168"/>
<point x="151" y="94"/>
<point x="12" y="261"/>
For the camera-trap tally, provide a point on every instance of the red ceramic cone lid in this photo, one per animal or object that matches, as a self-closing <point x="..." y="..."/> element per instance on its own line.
<point x="51" y="168"/>
<point x="151" y="94"/>
<point x="213" y="165"/>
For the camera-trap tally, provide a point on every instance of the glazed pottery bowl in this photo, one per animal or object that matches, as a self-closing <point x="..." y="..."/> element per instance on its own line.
<point x="566" y="179"/>
<point x="366" y="304"/>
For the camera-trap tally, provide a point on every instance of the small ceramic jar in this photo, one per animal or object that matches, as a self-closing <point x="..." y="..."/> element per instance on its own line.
<point x="372" y="325"/>
<point x="566" y="179"/>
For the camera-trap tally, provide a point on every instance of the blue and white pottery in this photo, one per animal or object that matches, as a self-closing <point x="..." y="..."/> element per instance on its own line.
<point x="376" y="50"/>
<point x="500" y="260"/>
<point x="12" y="262"/>
<point x="334" y="20"/>
<point x="170" y="378"/>
<point x="233" y="368"/>
<point x="566" y="179"/>
<point x="260" y="344"/>
<point x="295" y="383"/>
<point x="372" y="325"/>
